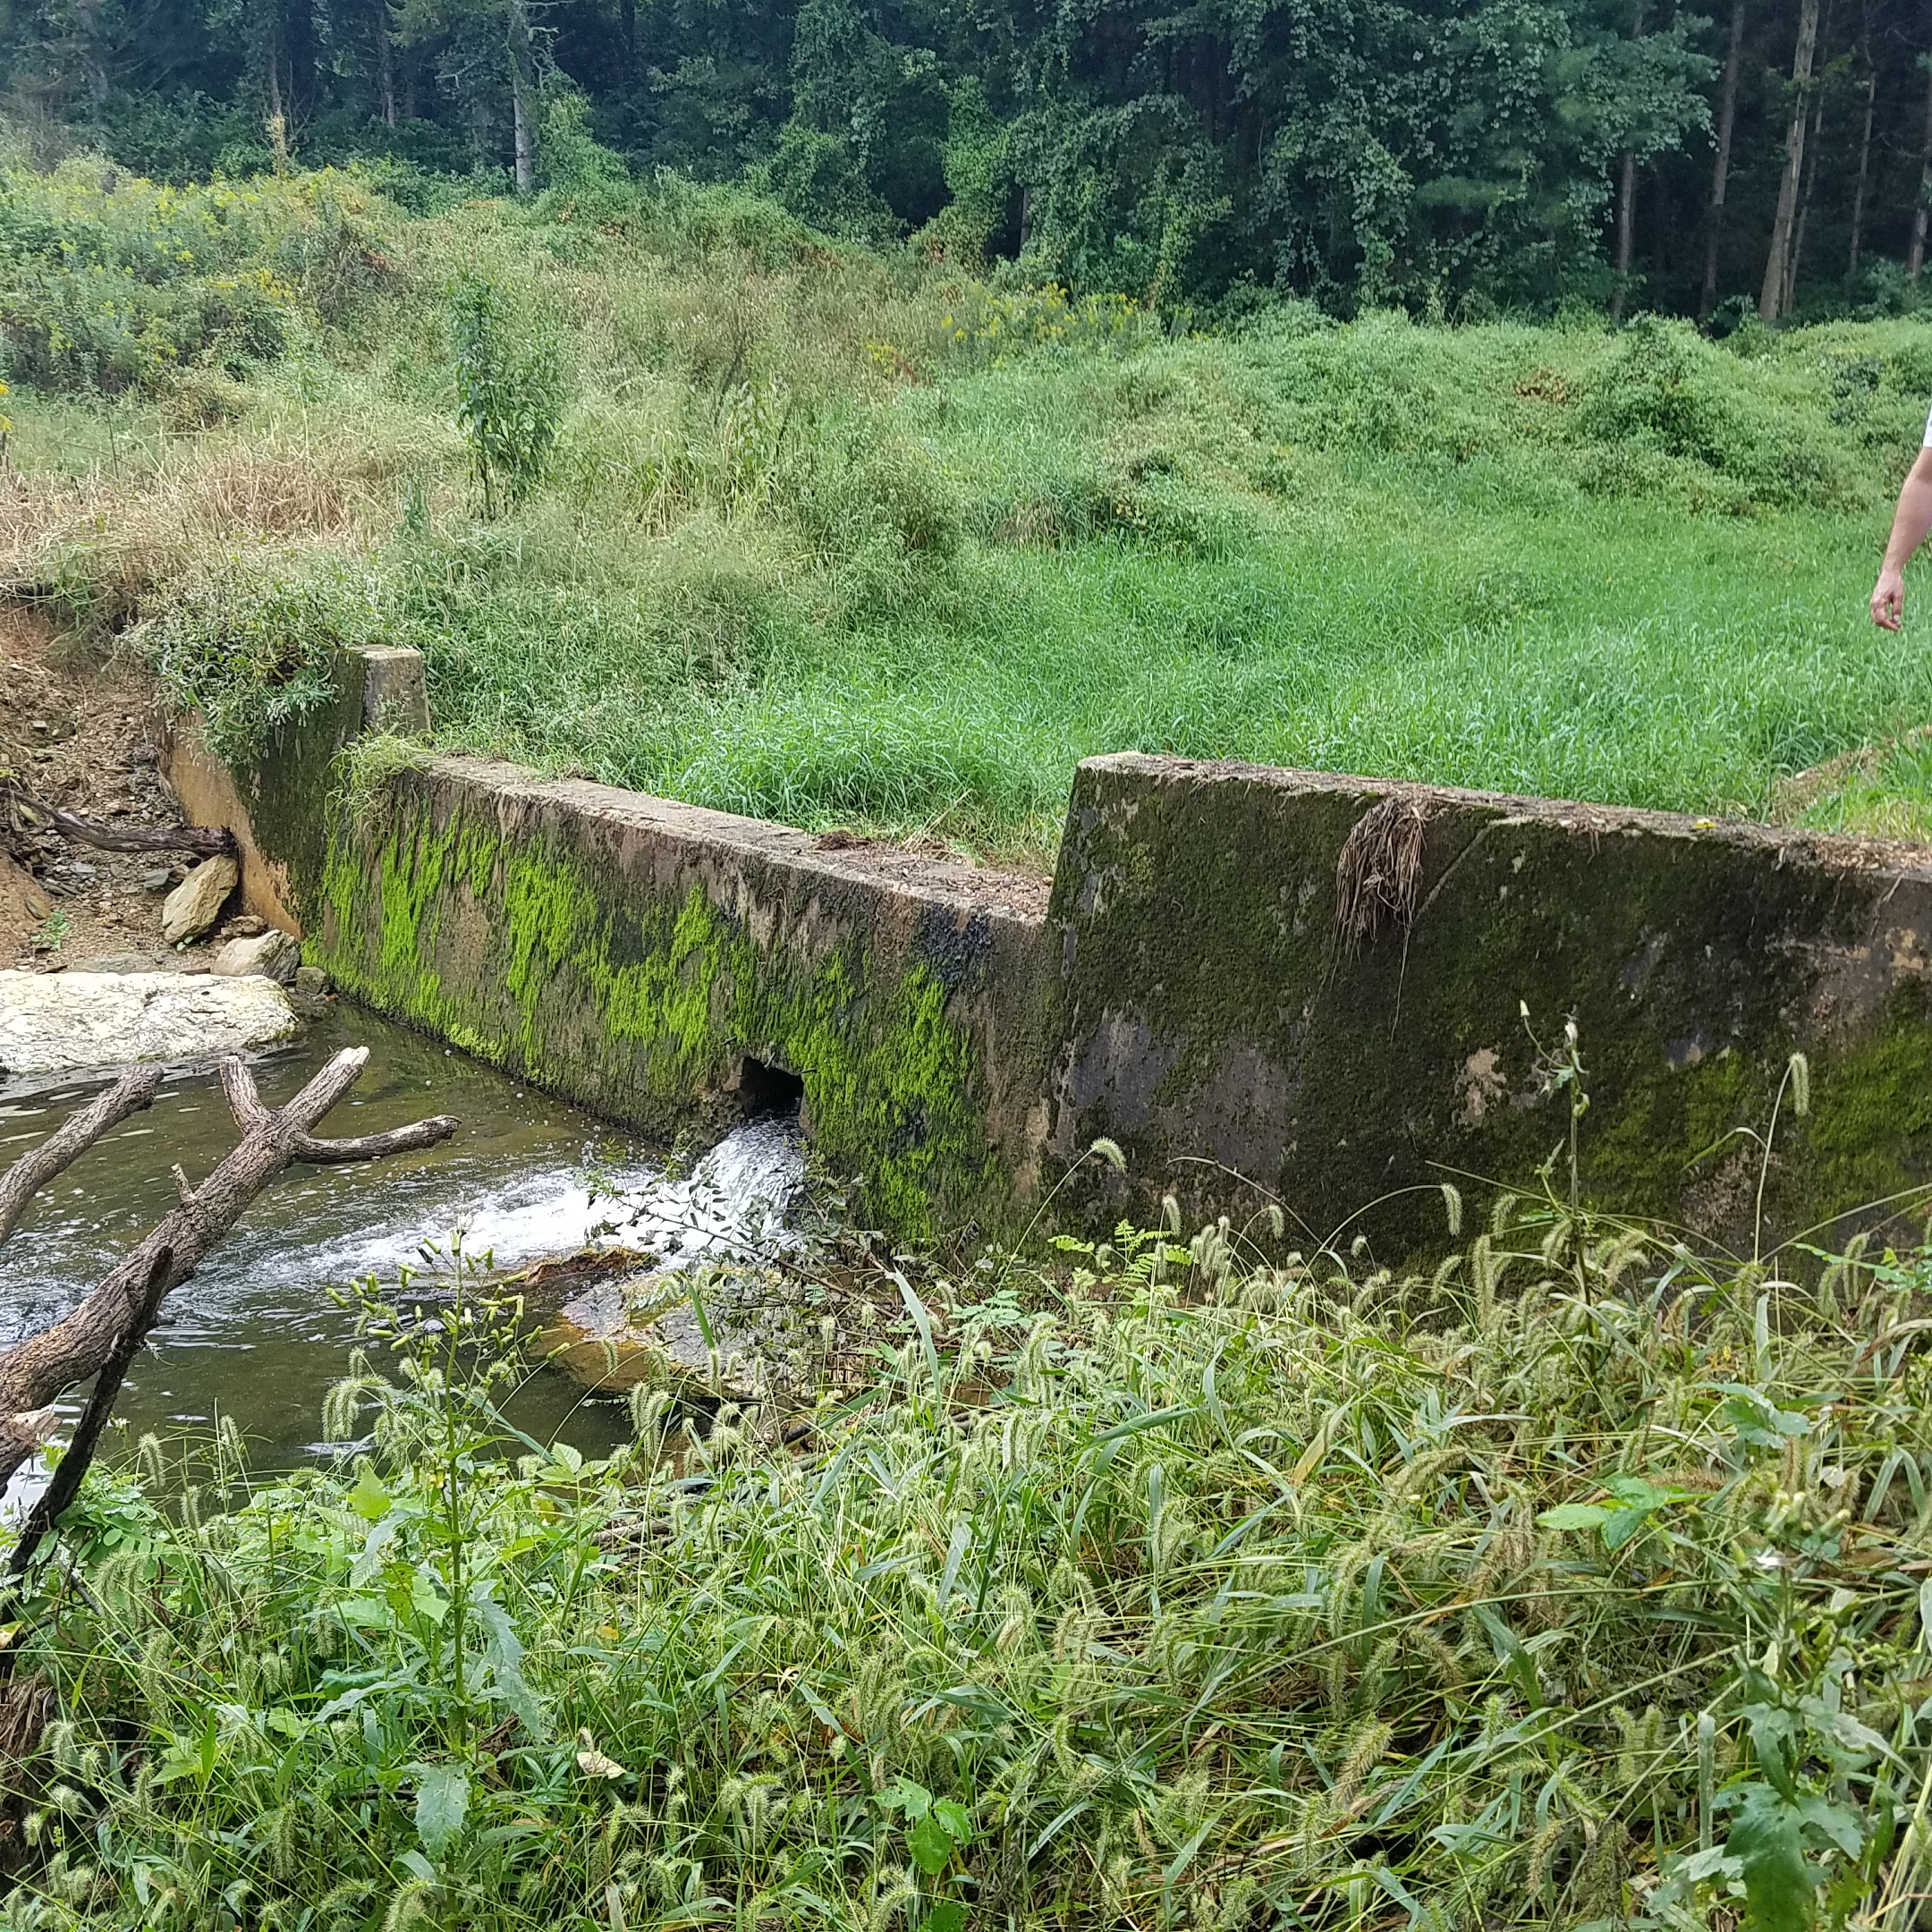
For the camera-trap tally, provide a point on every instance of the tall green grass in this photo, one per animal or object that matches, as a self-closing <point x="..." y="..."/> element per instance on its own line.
<point x="834" y="535"/>
<point x="1176" y="1585"/>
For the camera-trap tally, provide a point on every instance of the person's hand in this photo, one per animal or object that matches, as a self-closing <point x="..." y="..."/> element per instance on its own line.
<point x="1888" y="598"/>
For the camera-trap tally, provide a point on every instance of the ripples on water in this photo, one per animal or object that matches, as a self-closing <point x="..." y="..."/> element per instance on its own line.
<point x="254" y="1334"/>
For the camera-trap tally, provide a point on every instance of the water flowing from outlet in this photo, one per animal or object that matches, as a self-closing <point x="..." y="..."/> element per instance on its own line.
<point x="256" y="1335"/>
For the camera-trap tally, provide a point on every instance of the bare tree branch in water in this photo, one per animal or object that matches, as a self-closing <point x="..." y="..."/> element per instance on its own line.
<point x="122" y="1310"/>
<point x="133" y="1091"/>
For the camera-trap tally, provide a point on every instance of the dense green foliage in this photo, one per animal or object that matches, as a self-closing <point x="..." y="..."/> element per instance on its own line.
<point x="824" y="534"/>
<point x="1179" y="1585"/>
<point x="1454" y="155"/>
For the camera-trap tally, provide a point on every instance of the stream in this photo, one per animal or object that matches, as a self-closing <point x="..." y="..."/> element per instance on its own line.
<point x="255" y="1335"/>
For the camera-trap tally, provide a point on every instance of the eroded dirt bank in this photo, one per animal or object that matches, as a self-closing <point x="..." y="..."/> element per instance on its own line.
<point x="79" y="731"/>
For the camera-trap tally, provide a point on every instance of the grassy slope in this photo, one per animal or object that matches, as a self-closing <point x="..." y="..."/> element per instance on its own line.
<point x="833" y="538"/>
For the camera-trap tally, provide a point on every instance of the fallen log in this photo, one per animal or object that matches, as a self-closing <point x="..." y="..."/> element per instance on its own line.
<point x="204" y="842"/>
<point x="52" y="1502"/>
<point x="33" y="1372"/>
<point x="58" y="1152"/>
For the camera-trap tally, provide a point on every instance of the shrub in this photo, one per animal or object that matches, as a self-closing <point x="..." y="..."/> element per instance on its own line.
<point x="1722" y="426"/>
<point x="106" y="283"/>
<point x="249" y="647"/>
<point x="509" y="390"/>
<point x="864" y="483"/>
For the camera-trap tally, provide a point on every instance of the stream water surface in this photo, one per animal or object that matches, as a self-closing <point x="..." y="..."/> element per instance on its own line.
<point x="255" y="1335"/>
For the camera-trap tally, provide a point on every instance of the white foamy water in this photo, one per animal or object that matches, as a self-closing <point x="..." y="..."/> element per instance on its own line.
<point x="256" y="1332"/>
<point x="733" y="1204"/>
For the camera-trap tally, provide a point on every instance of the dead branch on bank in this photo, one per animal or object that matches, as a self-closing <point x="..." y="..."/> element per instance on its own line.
<point x="206" y="841"/>
<point x="52" y="1502"/>
<point x="28" y="813"/>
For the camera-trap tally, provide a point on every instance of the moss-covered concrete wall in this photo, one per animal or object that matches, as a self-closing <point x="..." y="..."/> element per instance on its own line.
<point x="1189" y="994"/>
<point x="1216" y="1024"/>
<point x="635" y="954"/>
<point x="277" y="804"/>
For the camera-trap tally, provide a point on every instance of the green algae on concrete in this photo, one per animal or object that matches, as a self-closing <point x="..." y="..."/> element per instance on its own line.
<point x="636" y="956"/>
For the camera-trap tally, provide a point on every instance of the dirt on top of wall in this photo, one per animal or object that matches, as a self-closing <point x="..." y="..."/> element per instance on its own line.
<point x="79" y="733"/>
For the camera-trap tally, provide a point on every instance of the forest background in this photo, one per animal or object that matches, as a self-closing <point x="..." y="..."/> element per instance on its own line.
<point x="1458" y="157"/>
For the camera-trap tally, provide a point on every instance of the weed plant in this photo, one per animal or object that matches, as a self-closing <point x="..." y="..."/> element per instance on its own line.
<point x="1172" y="1584"/>
<point x="838" y="535"/>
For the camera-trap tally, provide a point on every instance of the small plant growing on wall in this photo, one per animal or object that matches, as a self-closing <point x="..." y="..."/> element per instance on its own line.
<point x="509" y="400"/>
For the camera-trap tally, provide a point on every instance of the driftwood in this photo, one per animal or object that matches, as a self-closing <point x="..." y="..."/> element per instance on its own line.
<point x="206" y="841"/>
<point x="52" y="1502"/>
<point x="59" y="1151"/>
<point x="119" y="1312"/>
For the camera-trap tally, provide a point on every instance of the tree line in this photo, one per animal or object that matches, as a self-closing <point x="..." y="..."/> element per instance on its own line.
<point x="1459" y="157"/>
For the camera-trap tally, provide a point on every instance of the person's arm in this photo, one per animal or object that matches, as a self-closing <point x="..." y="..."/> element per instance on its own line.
<point x="1910" y="522"/>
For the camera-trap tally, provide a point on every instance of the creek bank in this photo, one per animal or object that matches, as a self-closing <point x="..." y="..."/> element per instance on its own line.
<point x="80" y="732"/>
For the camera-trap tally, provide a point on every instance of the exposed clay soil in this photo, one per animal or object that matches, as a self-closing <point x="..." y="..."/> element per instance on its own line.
<point x="79" y="733"/>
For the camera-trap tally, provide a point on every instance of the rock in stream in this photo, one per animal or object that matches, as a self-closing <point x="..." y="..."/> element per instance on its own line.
<point x="62" y="1023"/>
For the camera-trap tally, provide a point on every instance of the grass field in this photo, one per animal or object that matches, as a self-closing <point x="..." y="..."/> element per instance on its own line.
<point x="1155" y="1585"/>
<point x="840" y="538"/>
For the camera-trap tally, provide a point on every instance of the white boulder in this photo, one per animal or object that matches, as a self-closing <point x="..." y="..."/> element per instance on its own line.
<point x="54" y="1022"/>
<point x="274" y="954"/>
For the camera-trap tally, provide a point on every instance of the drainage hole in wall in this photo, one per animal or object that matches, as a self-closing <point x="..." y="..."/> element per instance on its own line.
<point x="764" y="1090"/>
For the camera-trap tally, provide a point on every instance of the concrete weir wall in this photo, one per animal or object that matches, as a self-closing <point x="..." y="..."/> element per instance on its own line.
<point x="1215" y="1020"/>
<point x="656" y="961"/>
<point x="1190" y="990"/>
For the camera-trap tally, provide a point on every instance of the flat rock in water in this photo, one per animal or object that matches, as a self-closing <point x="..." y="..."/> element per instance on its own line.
<point x="52" y="1022"/>
<point x="195" y="904"/>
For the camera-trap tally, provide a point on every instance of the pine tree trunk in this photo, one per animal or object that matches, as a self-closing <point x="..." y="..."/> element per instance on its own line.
<point x="1721" y="167"/>
<point x="1864" y="168"/>
<point x="1915" y="254"/>
<point x="1771" y="298"/>
<point x="1789" y="297"/>
<point x="384" y="62"/>
<point x="1625" y="223"/>
<point x="299" y="42"/>
<point x="522" y="89"/>
<point x="526" y="156"/>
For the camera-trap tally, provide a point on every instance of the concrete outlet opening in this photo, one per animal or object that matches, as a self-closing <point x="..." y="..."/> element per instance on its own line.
<point x="765" y="1090"/>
